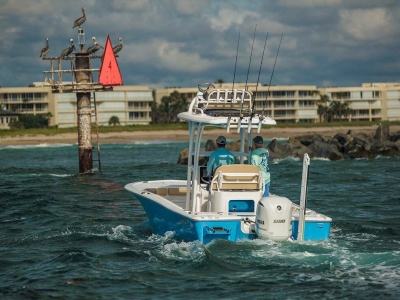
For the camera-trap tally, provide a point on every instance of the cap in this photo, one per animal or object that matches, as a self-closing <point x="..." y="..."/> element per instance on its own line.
<point x="258" y="140"/>
<point x="221" y="140"/>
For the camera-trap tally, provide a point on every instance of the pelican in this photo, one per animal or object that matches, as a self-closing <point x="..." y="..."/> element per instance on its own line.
<point x="94" y="48"/>
<point x="50" y="81"/>
<point x="45" y="50"/>
<point x="81" y="20"/>
<point x="118" y="48"/>
<point x="68" y="50"/>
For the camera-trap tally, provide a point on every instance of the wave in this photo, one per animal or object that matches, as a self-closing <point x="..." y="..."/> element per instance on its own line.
<point x="278" y="160"/>
<point x="44" y="145"/>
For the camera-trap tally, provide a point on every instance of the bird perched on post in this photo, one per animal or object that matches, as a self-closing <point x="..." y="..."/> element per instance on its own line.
<point x="45" y="50"/>
<point x="81" y="20"/>
<point x="118" y="48"/>
<point x="68" y="50"/>
<point x="94" y="48"/>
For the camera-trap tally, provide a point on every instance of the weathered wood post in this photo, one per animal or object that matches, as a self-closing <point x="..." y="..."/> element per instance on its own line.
<point x="84" y="80"/>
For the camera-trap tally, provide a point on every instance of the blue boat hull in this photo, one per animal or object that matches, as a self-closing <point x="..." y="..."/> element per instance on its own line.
<point x="163" y="220"/>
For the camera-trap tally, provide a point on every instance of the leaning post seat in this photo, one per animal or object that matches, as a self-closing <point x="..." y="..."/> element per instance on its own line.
<point x="235" y="189"/>
<point x="237" y="177"/>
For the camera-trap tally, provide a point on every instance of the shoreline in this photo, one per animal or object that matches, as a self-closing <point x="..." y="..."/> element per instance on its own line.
<point x="182" y="135"/>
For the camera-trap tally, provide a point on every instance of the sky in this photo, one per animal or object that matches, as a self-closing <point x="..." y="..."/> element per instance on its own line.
<point x="182" y="43"/>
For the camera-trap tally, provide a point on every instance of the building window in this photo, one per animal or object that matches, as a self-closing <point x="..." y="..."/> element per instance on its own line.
<point x="27" y="97"/>
<point x="283" y="94"/>
<point x="5" y="97"/>
<point x="41" y="106"/>
<point x="38" y="96"/>
<point x="14" y="97"/>
<point x="135" y="115"/>
<point x="306" y="94"/>
<point x="284" y="103"/>
<point x="303" y="103"/>
<point x="137" y="105"/>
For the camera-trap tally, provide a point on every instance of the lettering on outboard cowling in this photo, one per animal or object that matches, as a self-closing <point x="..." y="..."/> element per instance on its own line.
<point x="280" y="221"/>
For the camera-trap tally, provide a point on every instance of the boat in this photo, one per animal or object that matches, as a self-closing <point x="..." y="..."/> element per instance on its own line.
<point x="229" y="205"/>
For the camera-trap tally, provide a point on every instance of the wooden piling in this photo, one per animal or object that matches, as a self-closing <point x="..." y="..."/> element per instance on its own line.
<point x="85" y="147"/>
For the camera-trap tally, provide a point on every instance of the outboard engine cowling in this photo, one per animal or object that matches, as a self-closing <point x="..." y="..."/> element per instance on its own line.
<point x="274" y="218"/>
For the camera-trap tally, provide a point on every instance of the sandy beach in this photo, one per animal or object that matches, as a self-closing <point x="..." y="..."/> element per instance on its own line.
<point x="182" y="135"/>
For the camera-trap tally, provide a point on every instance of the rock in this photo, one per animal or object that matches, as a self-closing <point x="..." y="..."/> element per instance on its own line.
<point x="337" y="144"/>
<point x="342" y="138"/>
<point x="382" y="133"/>
<point x="395" y="137"/>
<point x="385" y="148"/>
<point x="341" y="146"/>
<point x="324" y="150"/>
<point x="276" y="150"/>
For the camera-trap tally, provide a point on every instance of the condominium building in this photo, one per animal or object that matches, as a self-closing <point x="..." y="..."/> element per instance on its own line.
<point x="132" y="104"/>
<point x="287" y="103"/>
<point x="370" y="102"/>
<point x="299" y="103"/>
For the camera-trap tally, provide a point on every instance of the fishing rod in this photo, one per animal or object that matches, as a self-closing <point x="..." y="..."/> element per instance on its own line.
<point x="247" y="78"/>
<point x="259" y="72"/>
<point x="272" y="74"/>
<point x="255" y="94"/>
<point x="233" y="85"/>
<point x="251" y="54"/>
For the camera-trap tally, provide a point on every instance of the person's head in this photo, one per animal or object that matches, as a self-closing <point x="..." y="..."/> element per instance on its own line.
<point x="221" y="141"/>
<point x="258" y="141"/>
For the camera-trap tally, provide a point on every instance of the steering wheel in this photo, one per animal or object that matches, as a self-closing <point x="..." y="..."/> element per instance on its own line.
<point x="204" y="87"/>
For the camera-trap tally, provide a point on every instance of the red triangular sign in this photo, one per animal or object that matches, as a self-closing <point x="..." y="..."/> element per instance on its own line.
<point x="109" y="70"/>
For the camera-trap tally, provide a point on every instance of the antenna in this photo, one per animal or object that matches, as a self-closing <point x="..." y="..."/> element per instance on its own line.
<point x="272" y="74"/>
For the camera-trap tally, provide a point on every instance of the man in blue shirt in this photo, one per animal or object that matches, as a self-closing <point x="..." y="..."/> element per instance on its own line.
<point x="219" y="157"/>
<point x="259" y="157"/>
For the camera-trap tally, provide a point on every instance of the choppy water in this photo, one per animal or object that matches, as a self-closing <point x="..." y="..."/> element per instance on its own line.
<point x="65" y="236"/>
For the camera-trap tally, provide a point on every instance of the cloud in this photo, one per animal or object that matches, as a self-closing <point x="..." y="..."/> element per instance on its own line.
<point x="228" y="17"/>
<point x="186" y="42"/>
<point x="367" y="24"/>
<point x="190" y="7"/>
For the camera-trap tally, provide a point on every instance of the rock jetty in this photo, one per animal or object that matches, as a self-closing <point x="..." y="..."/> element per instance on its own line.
<point x="340" y="146"/>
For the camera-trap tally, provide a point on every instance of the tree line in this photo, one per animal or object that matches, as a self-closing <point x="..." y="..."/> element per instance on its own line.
<point x="166" y="112"/>
<point x="330" y="111"/>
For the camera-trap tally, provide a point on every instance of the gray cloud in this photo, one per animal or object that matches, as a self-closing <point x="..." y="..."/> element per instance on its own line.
<point x="186" y="42"/>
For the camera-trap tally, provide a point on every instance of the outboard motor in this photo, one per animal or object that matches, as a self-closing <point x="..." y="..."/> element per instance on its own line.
<point x="274" y="218"/>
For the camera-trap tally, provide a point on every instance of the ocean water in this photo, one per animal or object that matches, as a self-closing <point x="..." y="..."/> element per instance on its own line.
<point x="66" y="236"/>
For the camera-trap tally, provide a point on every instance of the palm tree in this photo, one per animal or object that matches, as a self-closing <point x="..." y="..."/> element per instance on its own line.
<point x="345" y="109"/>
<point x="340" y="96"/>
<point x="170" y="106"/>
<point x="48" y="117"/>
<point x="114" y="120"/>
<point x="322" y="106"/>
